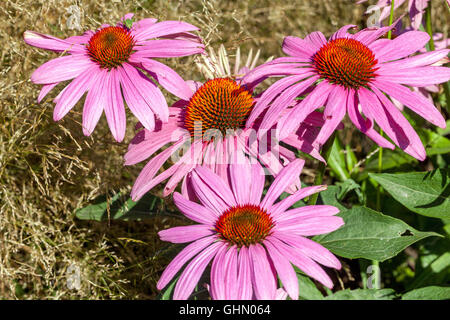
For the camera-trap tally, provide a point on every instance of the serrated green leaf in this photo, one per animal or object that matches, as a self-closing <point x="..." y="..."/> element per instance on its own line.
<point x="371" y="235"/>
<point x="426" y="193"/>
<point x="120" y="208"/>
<point x="428" y="293"/>
<point x="363" y="294"/>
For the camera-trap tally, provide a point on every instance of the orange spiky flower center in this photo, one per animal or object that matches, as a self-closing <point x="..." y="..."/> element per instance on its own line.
<point x="346" y="62"/>
<point x="111" y="46"/>
<point x="219" y="104"/>
<point x="244" y="225"/>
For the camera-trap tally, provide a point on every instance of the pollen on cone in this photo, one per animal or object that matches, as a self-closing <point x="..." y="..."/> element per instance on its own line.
<point x="220" y="104"/>
<point x="346" y="62"/>
<point x="110" y="46"/>
<point x="244" y="225"/>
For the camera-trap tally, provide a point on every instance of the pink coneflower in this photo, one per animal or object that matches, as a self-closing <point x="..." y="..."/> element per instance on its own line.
<point x="416" y="9"/>
<point x="350" y="70"/>
<point x="209" y="126"/>
<point x="250" y="241"/>
<point x="108" y="63"/>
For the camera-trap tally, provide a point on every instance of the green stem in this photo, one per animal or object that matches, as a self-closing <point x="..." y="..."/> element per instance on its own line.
<point x="380" y="158"/>
<point x="428" y="25"/>
<point x="326" y="150"/>
<point x="391" y="19"/>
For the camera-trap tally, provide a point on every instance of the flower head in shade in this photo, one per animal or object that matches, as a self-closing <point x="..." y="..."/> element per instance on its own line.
<point x="108" y="64"/>
<point x="249" y="238"/>
<point x="207" y="127"/>
<point x="354" y="74"/>
<point x="416" y="9"/>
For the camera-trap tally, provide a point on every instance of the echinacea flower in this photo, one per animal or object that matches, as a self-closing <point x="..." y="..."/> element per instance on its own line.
<point x="354" y="74"/>
<point x="208" y="127"/>
<point x="416" y="9"/>
<point x="109" y="63"/>
<point x="250" y="239"/>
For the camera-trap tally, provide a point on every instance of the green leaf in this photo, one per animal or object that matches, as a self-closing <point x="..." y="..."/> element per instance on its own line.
<point x="336" y="161"/>
<point x="306" y="288"/>
<point x="371" y="235"/>
<point x="347" y="186"/>
<point x="391" y="159"/>
<point x="428" y="293"/>
<point x="118" y="208"/>
<point x="426" y="193"/>
<point x="167" y="292"/>
<point x="438" y="269"/>
<point x="330" y="197"/>
<point x="434" y="142"/>
<point x="363" y="294"/>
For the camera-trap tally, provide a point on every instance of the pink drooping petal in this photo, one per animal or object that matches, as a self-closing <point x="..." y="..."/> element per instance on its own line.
<point x="149" y="93"/>
<point x="334" y="112"/>
<point x="413" y="100"/>
<point x="241" y="181"/>
<point x="141" y="151"/>
<point x="284" y="269"/>
<point x="417" y="77"/>
<point x="317" y="39"/>
<point x="167" y="78"/>
<point x="257" y="183"/>
<point x="391" y="120"/>
<point x="365" y="125"/>
<point x="218" y="278"/>
<point x="279" y="208"/>
<point x="285" y="99"/>
<point x="402" y="46"/>
<point x="263" y="277"/>
<point x="311" y="249"/>
<point x="369" y="35"/>
<point x="182" y="171"/>
<point x="283" y="180"/>
<point x="343" y="32"/>
<point x="419" y="60"/>
<point x="265" y="70"/>
<point x="304" y="263"/>
<point x="310" y="226"/>
<point x="231" y="273"/>
<point x="47" y="42"/>
<point x="95" y="102"/>
<point x="167" y="49"/>
<point x="61" y="69"/>
<point x="269" y="94"/>
<point x="194" y="270"/>
<point x="186" y="233"/>
<point x="135" y="102"/>
<point x="184" y="256"/>
<point x="291" y="121"/>
<point x="307" y="212"/>
<point x="114" y="108"/>
<point x="74" y="91"/>
<point x="46" y="88"/>
<point x="163" y="28"/>
<point x="205" y="178"/>
<point x="194" y="211"/>
<point x="297" y="47"/>
<point x="141" y="185"/>
<point x="244" y="280"/>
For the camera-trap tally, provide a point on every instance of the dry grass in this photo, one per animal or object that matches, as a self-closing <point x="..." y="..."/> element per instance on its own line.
<point x="48" y="169"/>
